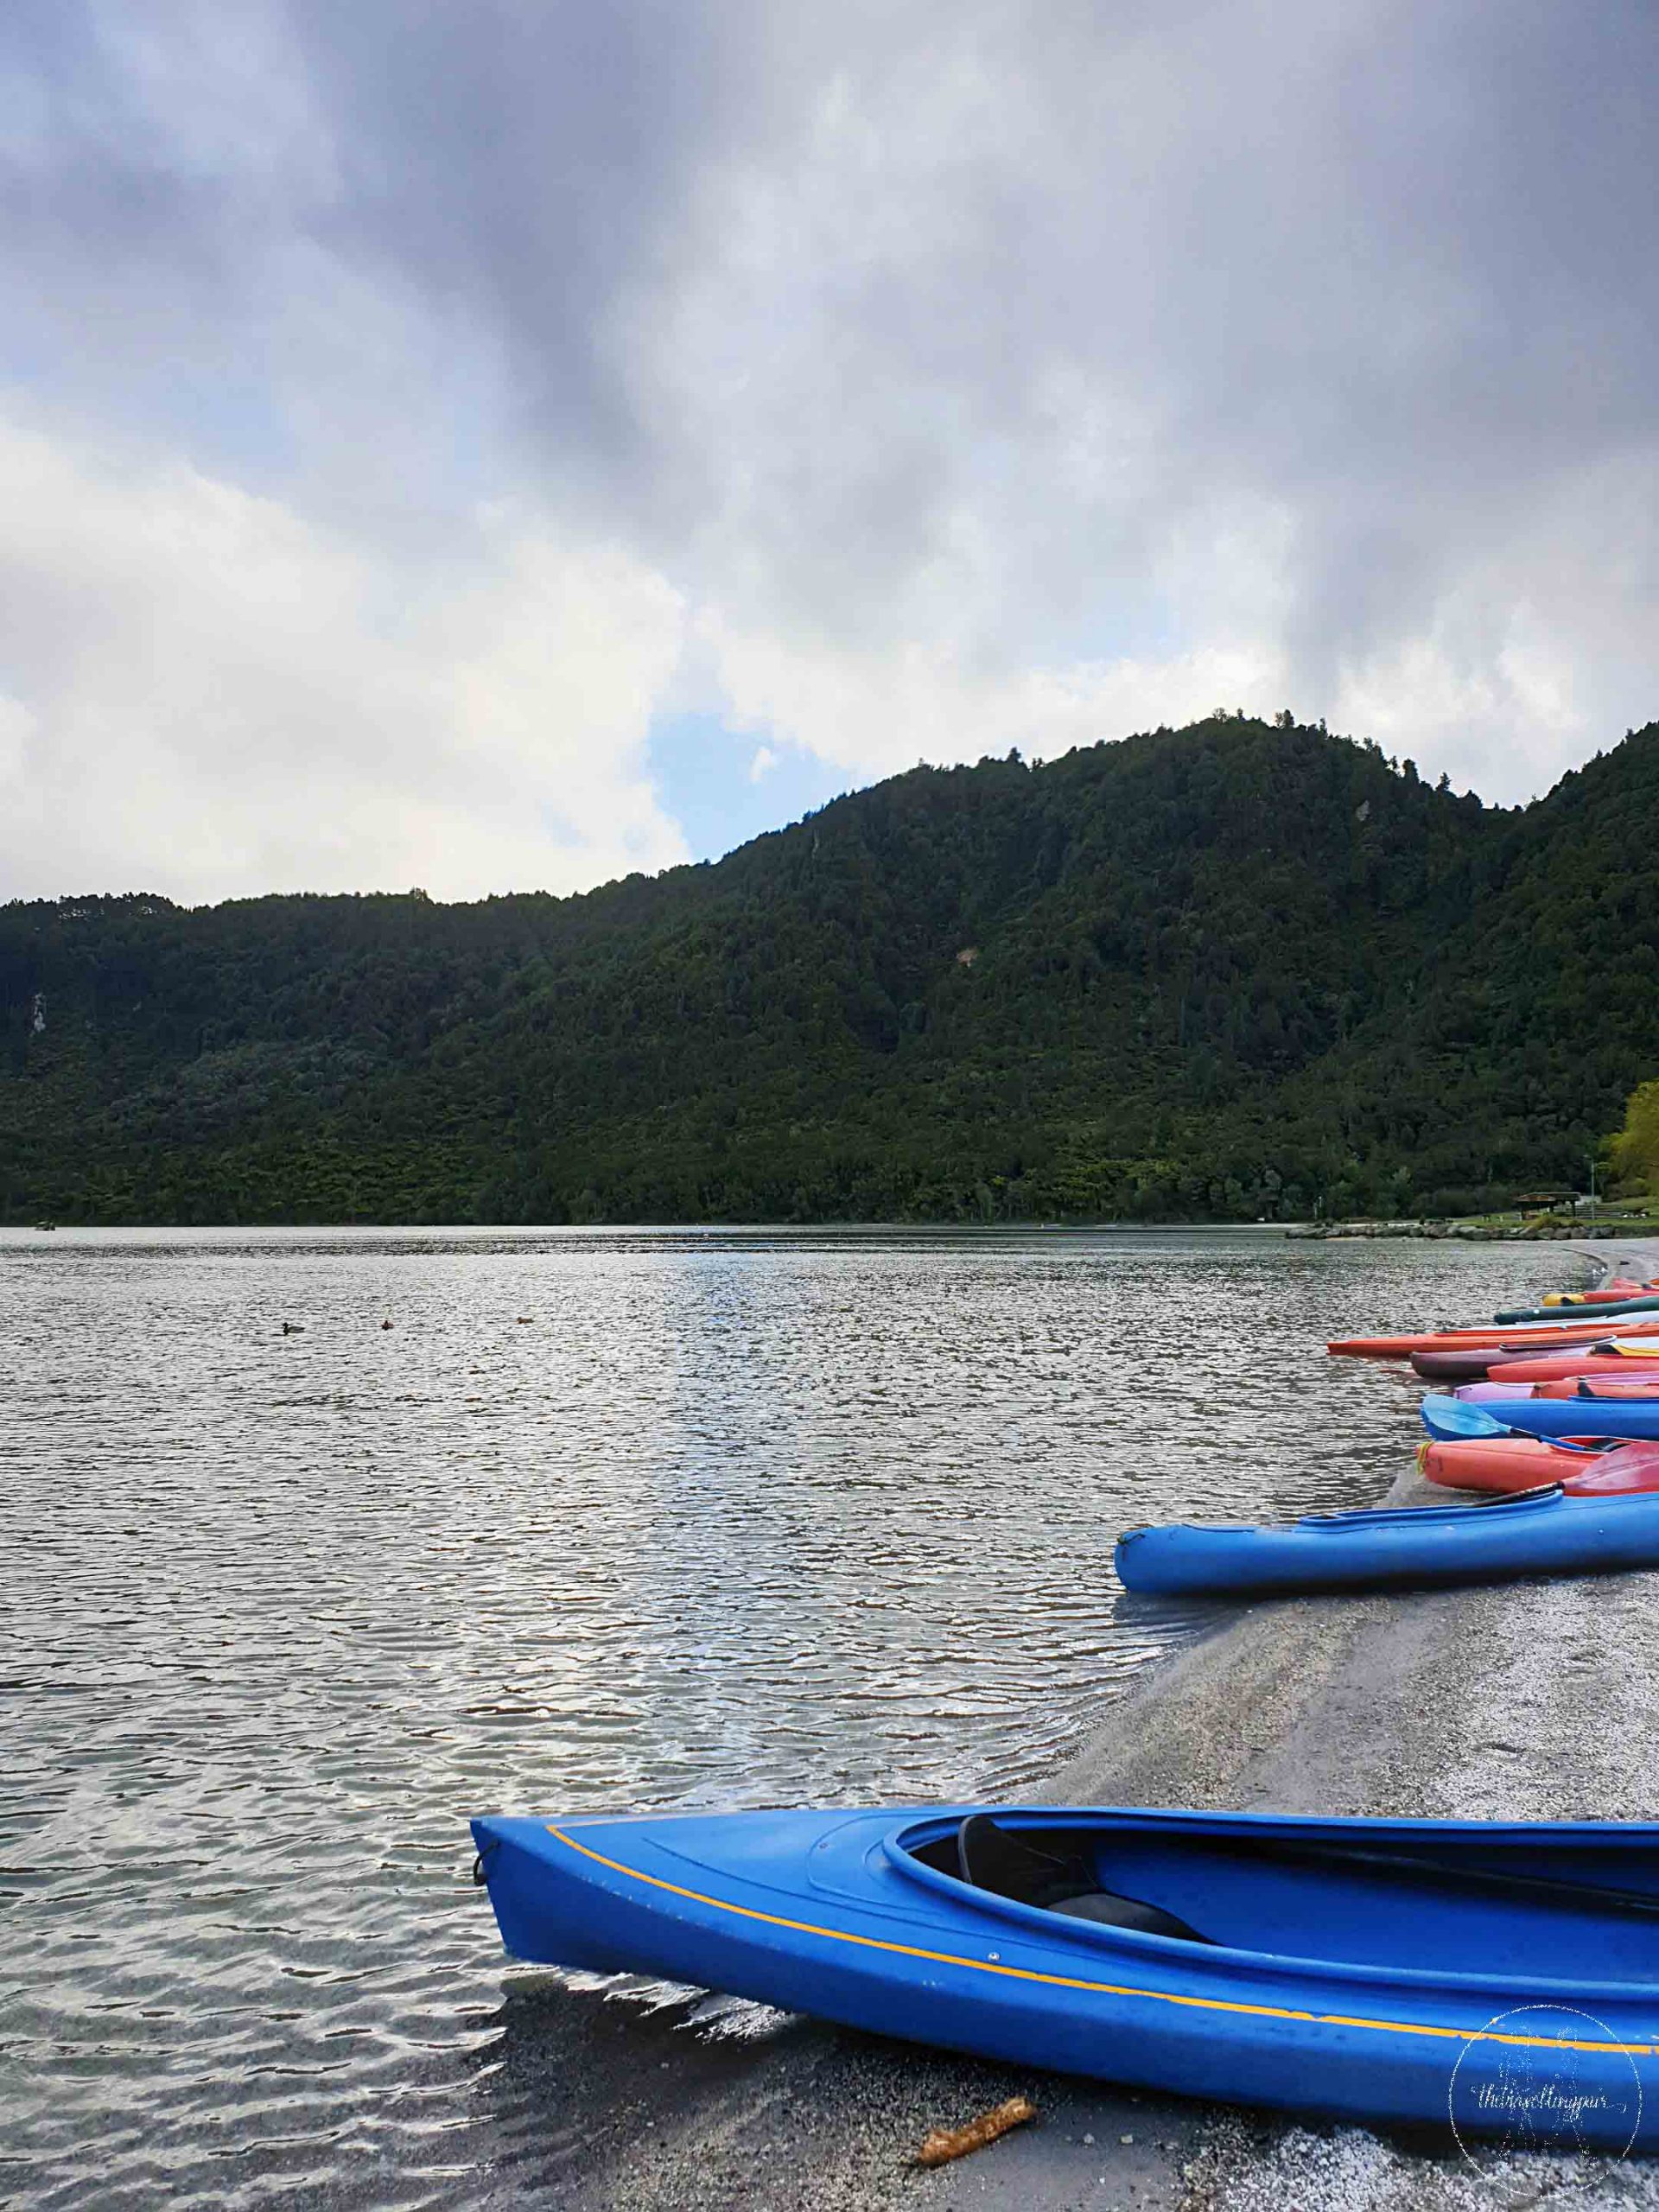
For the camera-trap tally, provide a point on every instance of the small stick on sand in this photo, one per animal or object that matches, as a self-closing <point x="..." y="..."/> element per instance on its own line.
<point x="944" y="2143"/>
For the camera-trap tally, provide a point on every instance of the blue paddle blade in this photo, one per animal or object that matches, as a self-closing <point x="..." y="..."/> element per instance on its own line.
<point x="1447" y="1418"/>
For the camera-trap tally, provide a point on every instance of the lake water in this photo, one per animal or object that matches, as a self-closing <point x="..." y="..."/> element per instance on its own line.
<point x="602" y="1519"/>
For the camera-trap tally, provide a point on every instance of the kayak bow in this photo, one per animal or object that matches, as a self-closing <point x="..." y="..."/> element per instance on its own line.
<point x="1377" y="1970"/>
<point x="1414" y="1547"/>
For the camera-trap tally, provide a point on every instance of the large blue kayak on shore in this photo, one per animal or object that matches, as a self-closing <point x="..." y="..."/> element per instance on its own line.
<point x="1504" y="1977"/>
<point x="1540" y="1532"/>
<point x="1575" y="1416"/>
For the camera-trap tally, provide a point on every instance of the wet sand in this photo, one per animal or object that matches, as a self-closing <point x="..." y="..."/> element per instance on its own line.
<point x="1527" y="1701"/>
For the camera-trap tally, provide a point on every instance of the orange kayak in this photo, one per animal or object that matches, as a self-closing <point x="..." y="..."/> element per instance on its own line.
<point x="1514" y="1462"/>
<point x="1603" y="1386"/>
<point x="1499" y="1462"/>
<point x="1570" y="1334"/>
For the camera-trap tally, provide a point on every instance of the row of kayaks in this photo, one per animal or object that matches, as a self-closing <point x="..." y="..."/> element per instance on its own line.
<point x="1562" y="1431"/>
<point x="1563" y="1323"/>
<point x="1501" y="1976"/>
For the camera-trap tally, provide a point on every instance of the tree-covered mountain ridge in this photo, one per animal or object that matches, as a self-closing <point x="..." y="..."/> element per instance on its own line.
<point x="1223" y="972"/>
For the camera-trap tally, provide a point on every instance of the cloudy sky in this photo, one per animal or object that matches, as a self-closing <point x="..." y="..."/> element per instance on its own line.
<point x="500" y="443"/>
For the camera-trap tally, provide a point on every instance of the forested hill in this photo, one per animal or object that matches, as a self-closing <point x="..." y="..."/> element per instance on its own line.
<point x="1213" y="972"/>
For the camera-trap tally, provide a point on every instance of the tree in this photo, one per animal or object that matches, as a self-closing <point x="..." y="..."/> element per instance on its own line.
<point x="1634" y="1152"/>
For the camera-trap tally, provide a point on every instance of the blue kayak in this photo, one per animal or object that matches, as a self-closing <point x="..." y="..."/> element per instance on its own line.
<point x="1587" y="1416"/>
<point x="1539" y="1532"/>
<point x="1401" y="1971"/>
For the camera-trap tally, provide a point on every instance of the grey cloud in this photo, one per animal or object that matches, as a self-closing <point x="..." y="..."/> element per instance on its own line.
<point x="1014" y="328"/>
<point x="529" y="162"/>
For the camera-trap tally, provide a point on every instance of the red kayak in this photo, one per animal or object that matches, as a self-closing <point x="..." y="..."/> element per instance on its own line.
<point x="1562" y="1367"/>
<point x="1515" y="1463"/>
<point x="1586" y="1333"/>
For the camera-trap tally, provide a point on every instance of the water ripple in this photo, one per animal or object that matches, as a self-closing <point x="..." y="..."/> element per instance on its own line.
<point x="731" y="1518"/>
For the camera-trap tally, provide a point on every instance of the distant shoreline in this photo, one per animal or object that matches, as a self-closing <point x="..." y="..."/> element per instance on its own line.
<point x="34" y="1231"/>
<point x="1452" y="1231"/>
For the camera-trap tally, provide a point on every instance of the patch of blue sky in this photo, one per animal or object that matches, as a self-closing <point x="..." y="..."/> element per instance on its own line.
<point x="1140" y="624"/>
<point x="228" y="425"/>
<point x="223" y="424"/>
<point x="723" y="786"/>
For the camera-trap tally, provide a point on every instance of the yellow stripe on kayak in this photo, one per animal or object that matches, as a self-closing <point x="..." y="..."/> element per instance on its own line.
<point x="1105" y="1989"/>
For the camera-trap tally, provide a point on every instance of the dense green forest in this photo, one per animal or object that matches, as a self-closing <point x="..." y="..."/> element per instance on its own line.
<point x="1232" y="971"/>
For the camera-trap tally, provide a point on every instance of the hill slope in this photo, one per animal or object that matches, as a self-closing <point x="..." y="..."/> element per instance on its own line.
<point x="1219" y="971"/>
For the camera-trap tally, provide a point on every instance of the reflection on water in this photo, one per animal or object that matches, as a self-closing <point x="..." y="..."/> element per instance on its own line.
<point x="602" y="1519"/>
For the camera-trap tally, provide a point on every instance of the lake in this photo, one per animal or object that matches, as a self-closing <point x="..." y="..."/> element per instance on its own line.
<point x="602" y="1519"/>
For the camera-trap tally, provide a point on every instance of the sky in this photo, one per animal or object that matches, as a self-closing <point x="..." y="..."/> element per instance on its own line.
<point x="499" y="444"/>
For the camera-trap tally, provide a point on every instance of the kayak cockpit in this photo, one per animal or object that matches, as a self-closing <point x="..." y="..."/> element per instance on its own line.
<point x="1054" y="1869"/>
<point x="1407" y="1902"/>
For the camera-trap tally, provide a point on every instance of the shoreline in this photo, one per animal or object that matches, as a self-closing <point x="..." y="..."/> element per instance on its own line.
<point x="1488" y="1702"/>
<point x="1482" y="1703"/>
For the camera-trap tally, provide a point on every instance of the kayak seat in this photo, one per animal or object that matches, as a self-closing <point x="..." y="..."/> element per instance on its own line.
<point x="1056" y="1875"/>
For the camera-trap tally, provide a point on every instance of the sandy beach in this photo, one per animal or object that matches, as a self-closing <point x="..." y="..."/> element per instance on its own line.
<point x="1529" y="1701"/>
